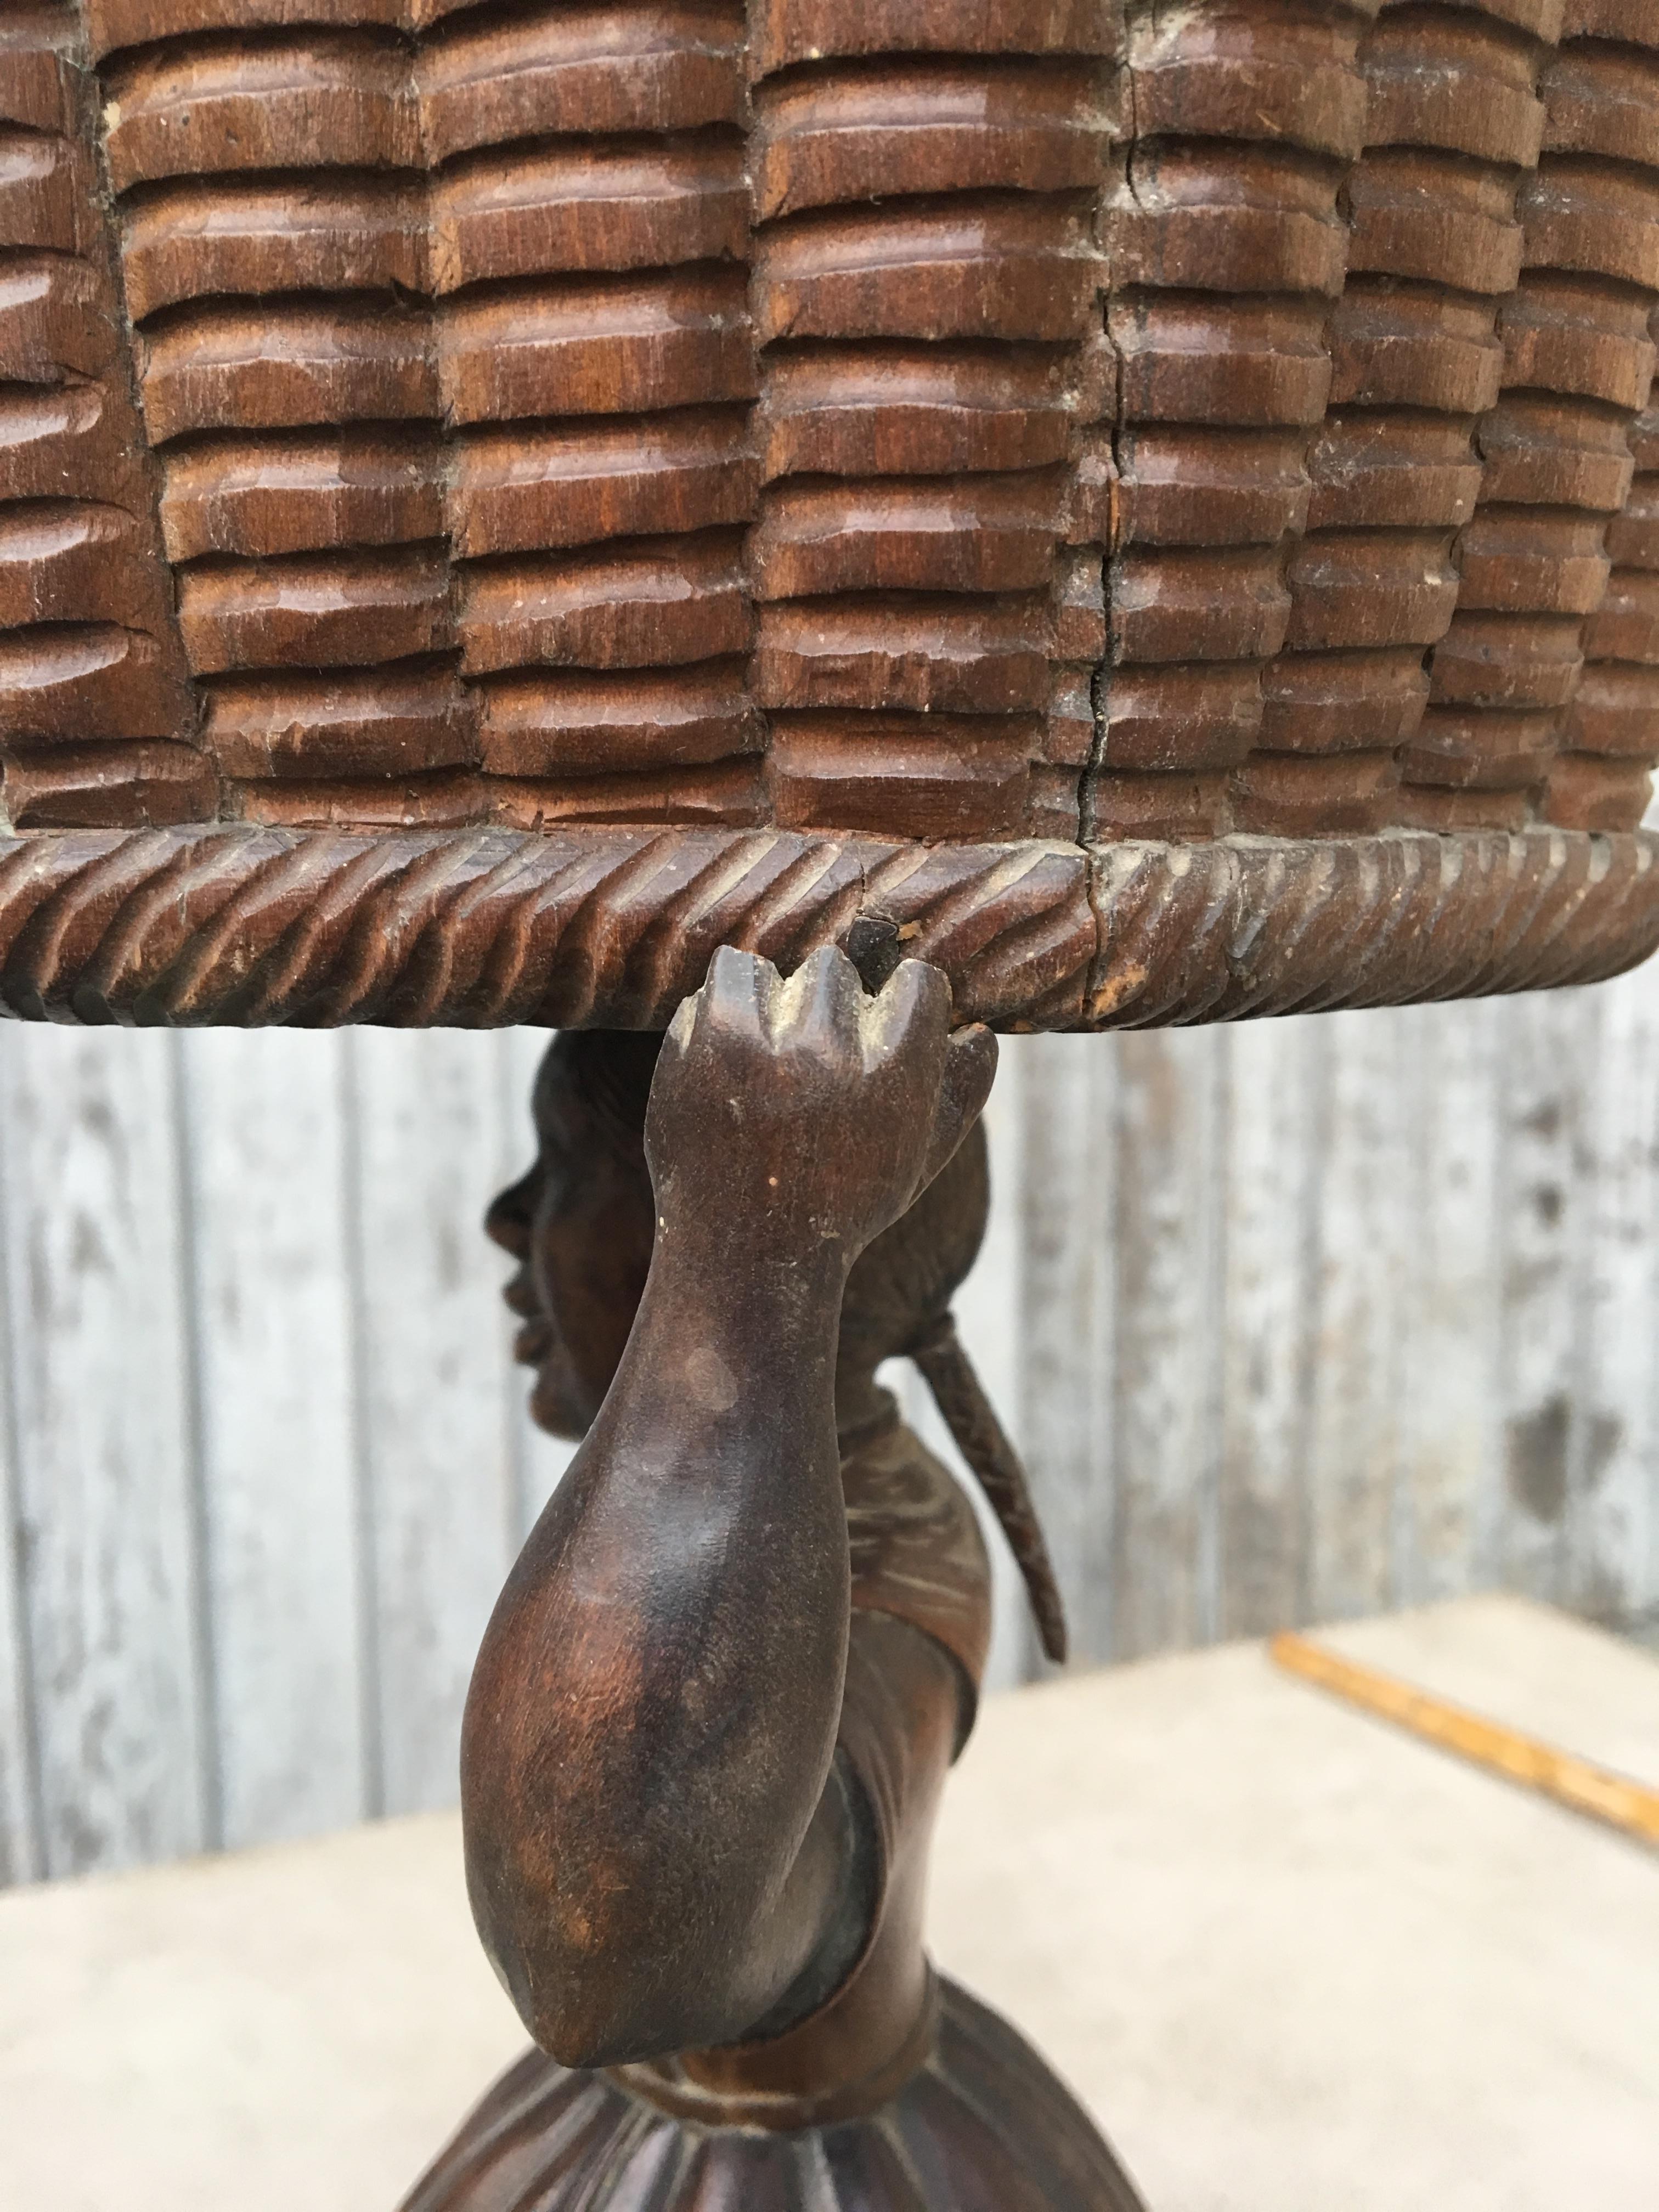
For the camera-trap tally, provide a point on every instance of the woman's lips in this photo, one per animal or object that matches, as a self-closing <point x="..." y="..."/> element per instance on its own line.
<point x="531" y="1343"/>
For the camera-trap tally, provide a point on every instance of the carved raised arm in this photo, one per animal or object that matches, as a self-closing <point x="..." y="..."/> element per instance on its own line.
<point x="657" y="1839"/>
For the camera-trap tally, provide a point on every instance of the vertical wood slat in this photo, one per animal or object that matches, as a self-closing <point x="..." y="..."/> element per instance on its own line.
<point x="292" y="1237"/>
<point x="1438" y="1278"/>
<point x="1544" y="1201"/>
<point x="1269" y="1269"/>
<point x="276" y="1348"/>
<point x="1452" y="1504"/>
<point x="100" y="1440"/>
<point x="455" y="1473"/>
<point x="1069" y="1187"/>
<point x="1612" y="1515"/>
<point x="441" y="1510"/>
<point x="1354" y="1406"/>
<point x="22" y="1856"/>
<point x="1167" y="1229"/>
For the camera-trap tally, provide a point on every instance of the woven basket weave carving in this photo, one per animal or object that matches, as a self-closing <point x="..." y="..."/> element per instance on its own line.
<point x="1061" y="455"/>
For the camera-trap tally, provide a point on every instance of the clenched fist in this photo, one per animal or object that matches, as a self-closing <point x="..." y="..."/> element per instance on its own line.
<point x="796" y="1119"/>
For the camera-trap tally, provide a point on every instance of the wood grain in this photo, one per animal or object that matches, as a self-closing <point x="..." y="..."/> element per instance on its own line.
<point x="1544" y="1201"/>
<point x="1577" y="363"/>
<point x="1266" y="1248"/>
<point x="1170" y="1117"/>
<point x="91" y="663"/>
<point x="1308" y="1272"/>
<point x="440" y="1515"/>
<point x="1612" y="1569"/>
<point x="270" y="1288"/>
<point x="1452" y="125"/>
<point x="1227" y="251"/>
<point x="22" y="1846"/>
<point x="1083" y="426"/>
<point x="100" y="1439"/>
<point x="1045" y="1283"/>
<point x="1070" y="1174"/>
<point x="454" y="1482"/>
<point x="613" y="927"/>
<point x="1452" y="1505"/>
<point x="1355" y="1382"/>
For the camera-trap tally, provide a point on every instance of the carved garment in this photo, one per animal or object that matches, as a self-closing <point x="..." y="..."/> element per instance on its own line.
<point x="901" y="2094"/>
<point x="921" y="1627"/>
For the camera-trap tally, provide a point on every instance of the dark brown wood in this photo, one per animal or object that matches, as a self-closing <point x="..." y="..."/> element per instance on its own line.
<point x="719" y="1697"/>
<point x="987" y="420"/>
<point x="95" y="709"/>
<point x="943" y="2139"/>
<point x="577" y="927"/>
<point x="1149" y="510"/>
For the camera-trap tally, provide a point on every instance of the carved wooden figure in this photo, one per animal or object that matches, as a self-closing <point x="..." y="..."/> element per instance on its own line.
<point x="1150" y="512"/>
<point x="712" y="1713"/>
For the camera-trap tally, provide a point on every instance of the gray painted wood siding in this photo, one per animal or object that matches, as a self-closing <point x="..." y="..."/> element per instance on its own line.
<point x="1344" y="1313"/>
<point x="1295" y="1321"/>
<point x="262" y="1464"/>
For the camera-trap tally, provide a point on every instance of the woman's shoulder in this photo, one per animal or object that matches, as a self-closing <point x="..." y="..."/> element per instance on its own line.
<point x="914" y="1543"/>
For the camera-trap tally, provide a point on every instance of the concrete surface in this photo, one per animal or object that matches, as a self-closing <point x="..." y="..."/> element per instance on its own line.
<point x="1296" y="1962"/>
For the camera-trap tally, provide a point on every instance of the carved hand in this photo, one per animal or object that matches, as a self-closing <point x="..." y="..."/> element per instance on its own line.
<point x="801" y="1117"/>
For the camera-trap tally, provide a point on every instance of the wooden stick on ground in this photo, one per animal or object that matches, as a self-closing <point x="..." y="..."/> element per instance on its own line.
<point x="1613" y="1798"/>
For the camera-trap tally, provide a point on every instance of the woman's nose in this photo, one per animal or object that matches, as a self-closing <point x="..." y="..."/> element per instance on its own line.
<point x="508" y="1219"/>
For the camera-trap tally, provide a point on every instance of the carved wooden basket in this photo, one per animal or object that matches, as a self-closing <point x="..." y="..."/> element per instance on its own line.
<point x="1152" y="506"/>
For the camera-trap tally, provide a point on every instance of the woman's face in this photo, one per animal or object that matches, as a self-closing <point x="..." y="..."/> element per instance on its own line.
<point x="580" y="1224"/>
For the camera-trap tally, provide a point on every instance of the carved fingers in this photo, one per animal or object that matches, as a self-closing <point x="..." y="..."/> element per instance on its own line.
<point x="970" y="1066"/>
<point x="819" y="1111"/>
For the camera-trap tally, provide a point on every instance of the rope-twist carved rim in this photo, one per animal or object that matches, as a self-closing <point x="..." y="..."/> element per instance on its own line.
<point x="245" y="927"/>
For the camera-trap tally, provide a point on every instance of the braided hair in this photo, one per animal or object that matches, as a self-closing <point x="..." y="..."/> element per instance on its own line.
<point x="899" y="1305"/>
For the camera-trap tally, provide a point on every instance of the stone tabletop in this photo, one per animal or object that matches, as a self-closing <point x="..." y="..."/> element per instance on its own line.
<point x="1294" y="1961"/>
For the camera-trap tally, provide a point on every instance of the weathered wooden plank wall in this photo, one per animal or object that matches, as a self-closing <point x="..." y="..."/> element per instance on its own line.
<point x="261" y="1463"/>
<point x="1339" y="1314"/>
<point x="1296" y="1320"/>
